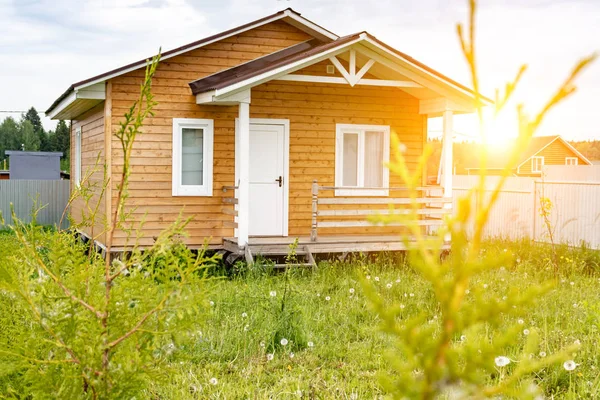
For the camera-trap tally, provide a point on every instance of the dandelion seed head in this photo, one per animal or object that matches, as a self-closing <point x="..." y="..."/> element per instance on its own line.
<point x="577" y="342"/>
<point x="575" y="305"/>
<point x="213" y="381"/>
<point x="272" y="293"/>
<point x="467" y="291"/>
<point x="368" y="277"/>
<point x="570" y="365"/>
<point x="463" y="338"/>
<point x="485" y="285"/>
<point x="389" y="286"/>
<point x="246" y="328"/>
<point x="502" y="361"/>
<point x="542" y="354"/>
<point x="244" y="315"/>
<point x="520" y="321"/>
<point x="525" y="332"/>
<point x="376" y="279"/>
<point x="212" y="303"/>
<point x="412" y="295"/>
<point x="351" y="290"/>
<point x="310" y="344"/>
<point x="284" y="342"/>
<point x="262" y="344"/>
<point x="270" y="356"/>
<point x="397" y="280"/>
<point x="402" y="306"/>
<point x="292" y="355"/>
<point x="327" y="298"/>
<point x="571" y="283"/>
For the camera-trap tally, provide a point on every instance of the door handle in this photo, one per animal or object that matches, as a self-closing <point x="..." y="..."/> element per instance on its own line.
<point x="280" y="180"/>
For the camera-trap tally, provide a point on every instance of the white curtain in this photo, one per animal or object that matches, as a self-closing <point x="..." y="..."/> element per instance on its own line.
<point x="373" y="159"/>
<point x="350" y="160"/>
<point x="192" y="156"/>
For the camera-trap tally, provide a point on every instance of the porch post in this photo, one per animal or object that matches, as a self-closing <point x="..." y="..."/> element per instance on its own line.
<point x="447" y="155"/>
<point x="244" y="173"/>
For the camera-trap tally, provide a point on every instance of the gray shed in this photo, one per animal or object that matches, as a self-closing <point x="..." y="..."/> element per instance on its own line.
<point x="34" y="165"/>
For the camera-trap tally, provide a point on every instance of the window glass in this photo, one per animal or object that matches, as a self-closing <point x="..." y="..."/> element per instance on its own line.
<point x="350" y="160"/>
<point x="192" y="149"/>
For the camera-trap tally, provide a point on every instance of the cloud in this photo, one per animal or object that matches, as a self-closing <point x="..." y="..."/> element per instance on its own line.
<point x="45" y="45"/>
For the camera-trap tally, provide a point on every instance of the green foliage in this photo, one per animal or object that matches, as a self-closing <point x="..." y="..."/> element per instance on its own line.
<point x="98" y="327"/>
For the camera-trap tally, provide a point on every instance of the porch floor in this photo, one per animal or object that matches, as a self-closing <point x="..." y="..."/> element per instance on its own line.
<point x="274" y="245"/>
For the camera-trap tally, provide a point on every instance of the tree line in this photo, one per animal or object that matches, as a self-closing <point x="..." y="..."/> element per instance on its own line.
<point x="28" y="134"/>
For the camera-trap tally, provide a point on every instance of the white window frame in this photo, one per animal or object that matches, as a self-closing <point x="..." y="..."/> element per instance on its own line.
<point x="77" y="171"/>
<point x="571" y="161"/>
<point x="206" y="189"/>
<point x="340" y="129"/>
<point x="533" y="163"/>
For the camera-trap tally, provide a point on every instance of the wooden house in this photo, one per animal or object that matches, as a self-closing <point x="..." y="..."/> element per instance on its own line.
<point x="541" y="151"/>
<point x="266" y="132"/>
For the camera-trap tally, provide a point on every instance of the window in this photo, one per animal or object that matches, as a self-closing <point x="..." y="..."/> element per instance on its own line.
<point x="360" y="154"/>
<point x="192" y="157"/>
<point x="537" y="163"/>
<point x="77" y="171"/>
<point x="571" y="161"/>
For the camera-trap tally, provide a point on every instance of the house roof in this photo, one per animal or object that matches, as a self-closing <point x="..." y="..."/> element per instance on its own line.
<point x="289" y="13"/>
<point x="536" y="145"/>
<point x="85" y="94"/>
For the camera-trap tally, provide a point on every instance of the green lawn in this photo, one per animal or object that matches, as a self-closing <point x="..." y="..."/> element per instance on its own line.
<point x="334" y="346"/>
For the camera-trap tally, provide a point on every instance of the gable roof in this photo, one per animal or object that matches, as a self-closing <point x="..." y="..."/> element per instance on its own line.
<point x="536" y="145"/>
<point x="284" y="61"/>
<point x="291" y="16"/>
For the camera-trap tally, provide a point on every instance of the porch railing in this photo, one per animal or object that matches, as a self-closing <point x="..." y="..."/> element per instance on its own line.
<point x="353" y="211"/>
<point x="229" y="206"/>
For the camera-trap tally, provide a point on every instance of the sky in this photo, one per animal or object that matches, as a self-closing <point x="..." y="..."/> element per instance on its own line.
<point x="45" y="45"/>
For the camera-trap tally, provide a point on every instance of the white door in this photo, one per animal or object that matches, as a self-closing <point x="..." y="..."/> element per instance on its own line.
<point x="268" y="183"/>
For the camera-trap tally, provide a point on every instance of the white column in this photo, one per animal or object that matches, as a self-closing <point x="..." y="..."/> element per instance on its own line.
<point x="447" y="162"/>
<point x="244" y="173"/>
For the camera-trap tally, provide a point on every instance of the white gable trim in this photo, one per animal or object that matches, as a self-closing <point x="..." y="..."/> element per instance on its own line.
<point x="573" y="149"/>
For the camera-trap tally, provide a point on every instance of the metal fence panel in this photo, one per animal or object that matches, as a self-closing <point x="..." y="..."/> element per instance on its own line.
<point x="23" y="195"/>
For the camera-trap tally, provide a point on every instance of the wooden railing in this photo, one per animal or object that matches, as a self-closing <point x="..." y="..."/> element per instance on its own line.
<point x="432" y="211"/>
<point x="229" y="208"/>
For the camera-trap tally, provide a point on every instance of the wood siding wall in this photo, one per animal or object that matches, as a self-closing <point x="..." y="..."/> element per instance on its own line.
<point x="150" y="188"/>
<point x="554" y="154"/>
<point x="92" y="159"/>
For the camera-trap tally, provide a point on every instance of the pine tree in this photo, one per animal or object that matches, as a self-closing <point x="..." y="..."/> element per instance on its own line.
<point x="31" y="141"/>
<point x="33" y="117"/>
<point x="61" y="139"/>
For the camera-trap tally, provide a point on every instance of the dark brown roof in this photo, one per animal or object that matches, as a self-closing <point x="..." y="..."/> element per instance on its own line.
<point x="282" y="58"/>
<point x="267" y="63"/>
<point x="168" y="53"/>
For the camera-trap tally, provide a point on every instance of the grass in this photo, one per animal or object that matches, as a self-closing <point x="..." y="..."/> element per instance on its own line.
<point x="334" y="347"/>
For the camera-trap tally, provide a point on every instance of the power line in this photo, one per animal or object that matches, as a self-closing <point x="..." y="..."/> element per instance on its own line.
<point x="12" y="111"/>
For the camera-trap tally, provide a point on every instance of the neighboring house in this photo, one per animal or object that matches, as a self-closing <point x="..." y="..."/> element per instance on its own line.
<point x="542" y="151"/>
<point x="34" y="165"/>
<point x="247" y="119"/>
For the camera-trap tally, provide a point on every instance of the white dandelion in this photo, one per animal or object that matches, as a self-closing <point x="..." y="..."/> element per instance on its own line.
<point x="577" y="342"/>
<point x="310" y="344"/>
<point x="212" y="303"/>
<point x="246" y="328"/>
<point x="542" y="354"/>
<point x="389" y="286"/>
<point x="351" y="290"/>
<point x="272" y="293"/>
<point x="412" y="295"/>
<point x="368" y="277"/>
<point x="520" y="321"/>
<point x="570" y="365"/>
<point x="262" y="344"/>
<point x="525" y="332"/>
<point x="467" y="291"/>
<point x="376" y="279"/>
<point x="463" y="338"/>
<point x="397" y="280"/>
<point x="270" y="356"/>
<point x="327" y="298"/>
<point x="402" y="306"/>
<point x="502" y="361"/>
<point x="575" y="305"/>
<point x="571" y="283"/>
<point x="244" y="315"/>
<point x="292" y="355"/>
<point x="213" y="381"/>
<point x="485" y="285"/>
<point x="284" y="342"/>
<point x="318" y="294"/>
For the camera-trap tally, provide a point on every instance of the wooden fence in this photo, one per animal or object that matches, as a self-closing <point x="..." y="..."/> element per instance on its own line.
<point x="52" y="195"/>
<point x="574" y="217"/>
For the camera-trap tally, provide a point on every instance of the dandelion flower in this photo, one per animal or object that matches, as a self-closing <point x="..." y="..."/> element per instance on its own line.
<point x="577" y="342"/>
<point x="244" y="315"/>
<point x="502" y="361"/>
<point x="412" y="295"/>
<point x="376" y="279"/>
<point x="572" y="283"/>
<point x="270" y="356"/>
<point x="284" y="342"/>
<point x="570" y="365"/>
<point x="397" y="280"/>
<point x="351" y="290"/>
<point x="368" y="277"/>
<point x="291" y="355"/>
<point x="262" y="344"/>
<point x="463" y="338"/>
<point x="272" y="293"/>
<point x="402" y="306"/>
<point x="575" y="305"/>
<point x="467" y="291"/>
<point x="520" y="321"/>
<point x="389" y="286"/>
<point x="327" y="298"/>
<point x="310" y="344"/>
<point x="542" y="354"/>
<point x="318" y="294"/>
<point x="525" y="332"/>
<point x="246" y="328"/>
<point x="213" y="381"/>
<point x="212" y="303"/>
